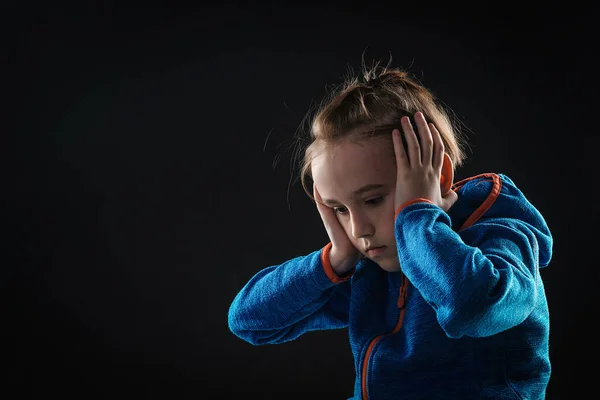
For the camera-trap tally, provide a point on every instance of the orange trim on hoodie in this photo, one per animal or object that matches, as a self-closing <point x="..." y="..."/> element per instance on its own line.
<point x="333" y="277"/>
<point x="487" y="203"/>
<point x="401" y="303"/>
<point x="409" y="202"/>
<point x="497" y="185"/>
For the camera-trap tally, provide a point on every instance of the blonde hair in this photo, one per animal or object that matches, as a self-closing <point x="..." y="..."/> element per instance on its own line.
<point x="361" y="109"/>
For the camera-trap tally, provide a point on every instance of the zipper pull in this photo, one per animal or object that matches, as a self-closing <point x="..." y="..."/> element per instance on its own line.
<point x="402" y="296"/>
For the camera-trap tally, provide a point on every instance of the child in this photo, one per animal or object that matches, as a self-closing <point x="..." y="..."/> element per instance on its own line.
<point x="437" y="282"/>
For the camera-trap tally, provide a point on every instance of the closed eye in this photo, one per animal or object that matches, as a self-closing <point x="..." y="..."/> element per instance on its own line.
<point x="375" y="201"/>
<point x="371" y="202"/>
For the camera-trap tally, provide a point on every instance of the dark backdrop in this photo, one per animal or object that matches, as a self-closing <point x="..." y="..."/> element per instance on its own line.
<point x="142" y="191"/>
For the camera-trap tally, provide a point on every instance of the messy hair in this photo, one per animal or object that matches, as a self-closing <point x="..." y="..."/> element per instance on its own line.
<point x="371" y="105"/>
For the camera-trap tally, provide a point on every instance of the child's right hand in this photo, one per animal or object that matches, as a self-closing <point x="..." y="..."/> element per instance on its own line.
<point x="343" y="255"/>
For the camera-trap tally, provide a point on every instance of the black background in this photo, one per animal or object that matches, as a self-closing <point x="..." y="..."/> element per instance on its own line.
<point x="142" y="190"/>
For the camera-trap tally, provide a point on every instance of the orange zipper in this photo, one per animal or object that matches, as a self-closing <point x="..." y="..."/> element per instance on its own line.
<point x="401" y="302"/>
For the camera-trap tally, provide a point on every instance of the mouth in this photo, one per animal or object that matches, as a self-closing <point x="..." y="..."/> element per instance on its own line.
<point x="375" y="251"/>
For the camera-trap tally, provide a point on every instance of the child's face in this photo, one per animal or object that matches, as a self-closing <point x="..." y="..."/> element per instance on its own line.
<point x="367" y="217"/>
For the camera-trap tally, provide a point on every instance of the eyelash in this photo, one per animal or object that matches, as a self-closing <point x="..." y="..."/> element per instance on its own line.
<point x="372" y="202"/>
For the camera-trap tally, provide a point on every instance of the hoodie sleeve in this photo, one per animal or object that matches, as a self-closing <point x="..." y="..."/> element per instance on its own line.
<point x="483" y="279"/>
<point x="282" y="302"/>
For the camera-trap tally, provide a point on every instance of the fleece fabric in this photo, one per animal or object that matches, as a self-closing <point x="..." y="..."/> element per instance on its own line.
<point x="465" y="318"/>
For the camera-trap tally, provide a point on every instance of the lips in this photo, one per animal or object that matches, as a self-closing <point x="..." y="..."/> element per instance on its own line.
<point x="375" y="251"/>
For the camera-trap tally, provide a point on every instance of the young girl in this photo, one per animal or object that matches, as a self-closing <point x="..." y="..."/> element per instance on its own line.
<point x="437" y="281"/>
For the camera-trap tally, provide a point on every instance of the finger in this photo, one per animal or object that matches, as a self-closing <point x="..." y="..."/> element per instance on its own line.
<point x="402" y="162"/>
<point x="334" y="230"/>
<point x="325" y="211"/>
<point x="426" y="142"/>
<point x="318" y="198"/>
<point x="413" y="148"/>
<point x="438" y="147"/>
<point x="316" y="193"/>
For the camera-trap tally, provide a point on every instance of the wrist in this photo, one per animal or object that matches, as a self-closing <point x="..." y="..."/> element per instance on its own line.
<point x="339" y="265"/>
<point x="411" y="202"/>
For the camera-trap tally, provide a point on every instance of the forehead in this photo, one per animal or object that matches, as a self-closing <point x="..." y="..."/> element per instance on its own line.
<point x="344" y="168"/>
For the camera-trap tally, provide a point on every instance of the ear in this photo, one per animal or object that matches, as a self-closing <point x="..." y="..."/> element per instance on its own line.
<point x="447" y="178"/>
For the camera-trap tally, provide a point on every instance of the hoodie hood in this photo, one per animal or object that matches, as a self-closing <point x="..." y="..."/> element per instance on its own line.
<point x="495" y="196"/>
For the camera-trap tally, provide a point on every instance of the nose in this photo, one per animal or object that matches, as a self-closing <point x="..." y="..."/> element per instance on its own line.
<point x="361" y="226"/>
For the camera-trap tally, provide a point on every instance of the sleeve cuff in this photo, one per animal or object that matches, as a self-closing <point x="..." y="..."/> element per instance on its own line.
<point x="408" y="203"/>
<point x="333" y="277"/>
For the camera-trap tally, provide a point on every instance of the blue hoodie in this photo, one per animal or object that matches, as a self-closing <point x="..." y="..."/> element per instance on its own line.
<point x="465" y="318"/>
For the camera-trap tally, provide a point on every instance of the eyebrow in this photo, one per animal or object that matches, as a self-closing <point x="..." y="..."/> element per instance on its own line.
<point x="358" y="192"/>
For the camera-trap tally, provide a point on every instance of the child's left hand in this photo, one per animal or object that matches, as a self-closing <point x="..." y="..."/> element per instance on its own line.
<point x="419" y="167"/>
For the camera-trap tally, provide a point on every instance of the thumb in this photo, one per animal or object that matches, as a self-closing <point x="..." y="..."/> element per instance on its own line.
<point x="449" y="199"/>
